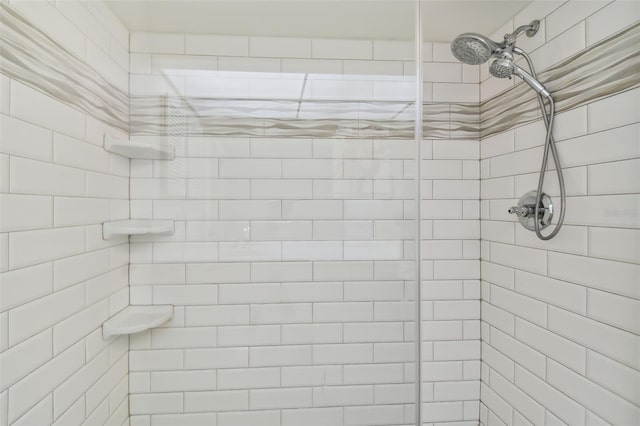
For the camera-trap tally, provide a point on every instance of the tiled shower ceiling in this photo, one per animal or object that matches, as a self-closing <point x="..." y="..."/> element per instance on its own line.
<point x="353" y="19"/>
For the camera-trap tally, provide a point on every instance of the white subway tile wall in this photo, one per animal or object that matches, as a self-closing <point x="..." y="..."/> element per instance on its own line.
<point x="59" y="279"/>
<point x="560" y="323"/>
<point x="292" y="267"/>
<point x="292" y="262"/>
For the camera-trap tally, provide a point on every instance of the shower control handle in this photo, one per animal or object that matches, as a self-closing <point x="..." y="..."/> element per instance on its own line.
<point x="522" y="211"/>
<point x="526" y="210"/>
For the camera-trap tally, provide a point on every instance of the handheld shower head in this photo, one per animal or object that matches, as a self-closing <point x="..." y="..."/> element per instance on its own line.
<point x="472" y="48"/>
<point x="504" y="67"/>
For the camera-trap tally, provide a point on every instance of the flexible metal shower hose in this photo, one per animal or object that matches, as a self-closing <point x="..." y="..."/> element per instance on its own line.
<point x="549" y="145"/>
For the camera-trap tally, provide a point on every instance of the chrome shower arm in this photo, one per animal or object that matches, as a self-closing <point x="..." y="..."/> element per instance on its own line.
<point x="530" y="29"/>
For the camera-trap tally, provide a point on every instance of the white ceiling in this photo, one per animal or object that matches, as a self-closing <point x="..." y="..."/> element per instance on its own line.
<point x="354" y="19"/>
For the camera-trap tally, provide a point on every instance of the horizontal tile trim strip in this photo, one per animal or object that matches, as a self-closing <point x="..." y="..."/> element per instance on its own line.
<point x="286" y="118"/>
<point x="33" y="58"/>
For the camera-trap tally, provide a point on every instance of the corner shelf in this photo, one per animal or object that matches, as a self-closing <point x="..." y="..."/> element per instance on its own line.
<point x="137" y="227"/>
<point x="138" y="150"/>
<point x="134" y="319"/>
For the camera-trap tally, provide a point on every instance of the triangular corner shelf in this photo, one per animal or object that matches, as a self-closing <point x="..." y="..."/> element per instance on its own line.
<point x="136" y="318"/>
<point x="137" y="227"/>
<point x="138" y="150"/>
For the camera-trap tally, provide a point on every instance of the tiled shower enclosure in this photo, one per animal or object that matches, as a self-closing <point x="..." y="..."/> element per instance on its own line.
<point x="284" y="185"/>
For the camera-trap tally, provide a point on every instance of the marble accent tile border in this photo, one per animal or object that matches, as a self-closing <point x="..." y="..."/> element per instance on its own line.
<point x="608" y="67"/>
<point x="288" y="118"/>
<point x="31" y="57"/>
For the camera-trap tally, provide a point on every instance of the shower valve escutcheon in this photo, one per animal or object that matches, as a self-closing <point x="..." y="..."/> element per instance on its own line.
<point x="526" y="210"/>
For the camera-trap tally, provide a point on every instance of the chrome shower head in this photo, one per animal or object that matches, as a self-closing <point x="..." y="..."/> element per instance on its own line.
<point x="472" y="48"/>
<point x="475" y="49"/>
